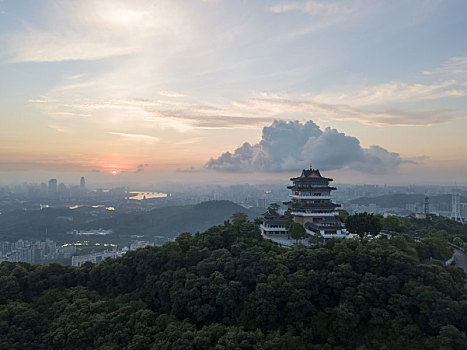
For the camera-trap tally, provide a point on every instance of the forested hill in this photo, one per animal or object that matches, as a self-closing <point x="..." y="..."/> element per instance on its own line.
<point x="227" y="288"/>
<point x="168" y="221"/>
<point x="171" y="221"/>
<point x="401" y="199"/>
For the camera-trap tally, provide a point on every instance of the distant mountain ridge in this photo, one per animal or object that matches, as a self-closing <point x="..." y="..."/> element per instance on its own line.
<point x="167" y="221"/>
<point x="400" y="200"/>
<point x="170" y="221"/>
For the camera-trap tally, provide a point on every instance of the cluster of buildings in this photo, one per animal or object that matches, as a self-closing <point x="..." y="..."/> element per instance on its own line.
<point x="310" y="206"/>
<point x="34" y="252"/>
<point x="99" y="257"/>
<point x="54" y="191"/>
<point x="39" y="251"/>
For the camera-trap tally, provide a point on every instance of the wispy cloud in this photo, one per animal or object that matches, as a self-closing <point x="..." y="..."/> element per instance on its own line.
<point x="456" y="66"/>
<point x="324" y="13"/>
<point x="96" y="29"/>
<point x="171" y="94"/>
<point x="58" y="128"/>
<point x="70" y="114"/>
<point x="190" y="141"/>
<point x="314" y="8"/>
<point x="247" y="113"/>
<point x="393" y="92"/>
<point x="136" y="137"/>
<point x="43" y="100"/>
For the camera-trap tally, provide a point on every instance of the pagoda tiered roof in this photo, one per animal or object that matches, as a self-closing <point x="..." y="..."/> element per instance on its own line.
<point x="296" y="188"/>
<point x="311" y="174"/>
<point x="273" y="220"/>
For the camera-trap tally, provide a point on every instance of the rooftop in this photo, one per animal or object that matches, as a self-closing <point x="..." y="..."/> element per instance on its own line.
<point x="310" y="174"/>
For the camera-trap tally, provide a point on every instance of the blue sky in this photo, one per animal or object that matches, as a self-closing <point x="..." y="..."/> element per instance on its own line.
<point x="89" y="85"/>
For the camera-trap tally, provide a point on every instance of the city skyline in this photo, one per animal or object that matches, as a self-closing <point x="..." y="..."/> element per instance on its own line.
<point x="140" y="92"/>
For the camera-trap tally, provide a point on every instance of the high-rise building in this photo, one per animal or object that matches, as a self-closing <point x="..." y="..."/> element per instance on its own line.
<point x="52" y="188"/>
<point x="82" y="187"/>
<point x="62" y="191"/>
<point x="43" y="191"/>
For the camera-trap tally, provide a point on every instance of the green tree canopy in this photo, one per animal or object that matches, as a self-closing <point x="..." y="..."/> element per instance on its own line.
<point x="363" y="224"/>
<point x="273" y="209"/>
<point x="297" y="231"/>
<point x="228" y="288"/>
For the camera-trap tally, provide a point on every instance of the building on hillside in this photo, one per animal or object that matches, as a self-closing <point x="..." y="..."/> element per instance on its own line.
<point x="273" y="226"/>
<point x="310" y="205"/>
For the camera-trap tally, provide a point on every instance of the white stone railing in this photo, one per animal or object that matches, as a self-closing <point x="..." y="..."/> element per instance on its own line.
<point x="299" y="196"/>
<point x="313" y="214"/>
<point x="267" y="228"/>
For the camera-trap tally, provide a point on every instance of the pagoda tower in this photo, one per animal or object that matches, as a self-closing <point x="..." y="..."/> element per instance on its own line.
<point x="311" y="204"/>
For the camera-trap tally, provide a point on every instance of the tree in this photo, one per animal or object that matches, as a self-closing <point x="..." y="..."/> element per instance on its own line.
<point x="238" y="219"/>
<point x="343" y="215"/>
<point x="393" y="224"/>
<point x="228" y="289"/>
<point x="297" y="231"/>
<point x="363" y="224"/>
<point x="288" y="219"/>
<point x="273" y="208"/>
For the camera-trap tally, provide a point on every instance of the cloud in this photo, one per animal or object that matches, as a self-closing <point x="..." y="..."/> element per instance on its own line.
<point x="393" y="92"/>
<point x="44" y="100"/>
<point x="190" y="141"/>
<point x="59" y="128"/>
<point x="97" y="29"/>
<point x="288" y="146"/>
<point x="188" y="170"/>
<point x="136" y="137"/>
<point x="313" y="8"/>
<point x="140" y="167"/>
<point x="455" y="66"/>
<point x="324" y="13"/>
<point x="171" y="94"/>
<point x="247" y="113"/>
<point x="257" y="111"/>
<point x="70" y="114"/>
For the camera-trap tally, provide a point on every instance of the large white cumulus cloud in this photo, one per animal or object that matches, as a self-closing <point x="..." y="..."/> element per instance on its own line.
<point x="291" y="145"/>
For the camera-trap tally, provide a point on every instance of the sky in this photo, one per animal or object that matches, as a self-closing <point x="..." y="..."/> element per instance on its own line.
<point x="369" y="91"/>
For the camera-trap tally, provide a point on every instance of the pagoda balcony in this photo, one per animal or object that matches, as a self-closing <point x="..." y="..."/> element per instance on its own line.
<point x="314" y="214"/>
<point x="300" y="196"/>
<point x="323" y="206"/>
<point x="275" y="228"/>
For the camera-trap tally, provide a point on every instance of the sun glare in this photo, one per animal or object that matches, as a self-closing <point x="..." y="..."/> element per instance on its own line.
<point x="114" y="172"/>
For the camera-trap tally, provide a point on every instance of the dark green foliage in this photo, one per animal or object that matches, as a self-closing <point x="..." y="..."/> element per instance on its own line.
<point x="363" y="224"/>
<point x="227" y="288"/>
<point x="393" y="224"/>
<point x="435" y="245"/>
<point x="288" y="219"/>
<point x="273" y="208"/>
<point x="343" y="215"/>
<point x="297" y="231"/>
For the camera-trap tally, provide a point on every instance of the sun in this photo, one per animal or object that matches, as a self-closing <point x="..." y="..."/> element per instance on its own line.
<point x="114" y="172"/>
